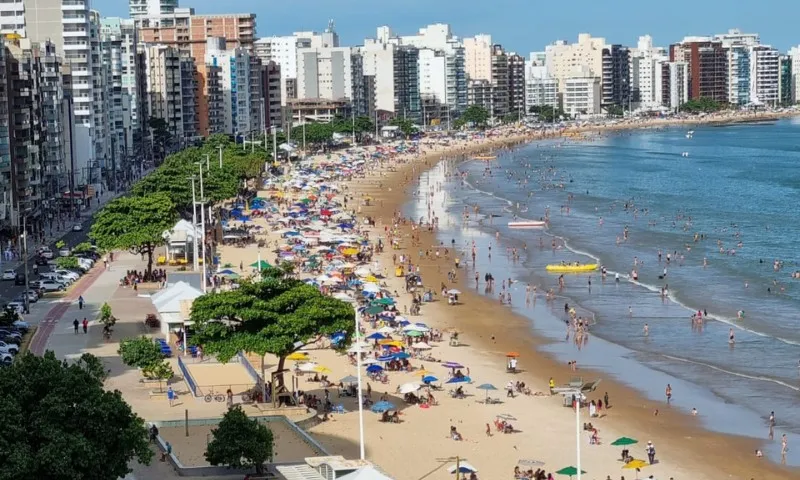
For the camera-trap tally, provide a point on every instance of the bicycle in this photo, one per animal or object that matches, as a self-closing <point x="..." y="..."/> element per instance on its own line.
<point x="210" y="396"/>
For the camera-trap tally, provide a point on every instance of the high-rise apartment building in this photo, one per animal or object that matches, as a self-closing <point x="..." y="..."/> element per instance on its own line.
<point x="478" y="57"/>
<point x="540" y="89"/>
<point x="332" y="73"/>
<point x="283" y="52"/>
<point x="565" y="60"/>
<point x="171" y="89"/>
<point x="239" y="74"/>
<point x="616" y="76"/>
<point x="582" y="95"/>
<point x="391" y="78"/>
<point x="707" y="61"/>
<point x="12" y="17"/>
<point x="55" y="124"/>
<point x="785" y="80"/>
<point x="188" y="33"/>
<point x="794" y="60"/>
<point x="765" y="71"/>
<point x="674" y="84"/>
<point x="645" y="76"/>
<point x="271" y="92"/>
<point x="151" y="8"/>
<point x="516" y="84"/>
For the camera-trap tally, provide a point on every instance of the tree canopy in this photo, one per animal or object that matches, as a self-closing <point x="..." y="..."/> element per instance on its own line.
<point x="59" y="422"/>
<point x="476" y="115"/>
<point x="546" y="113"/>
<point x="275" y="315"/>
<point x="702" y="105"/>
<point x="322" y="133"/>
<point x="407" y="127"/>
<point x="134" y="223"/>
<point x="139" y="352"/>
<point x="240" y="442"/>
<point x="67" y="262"/>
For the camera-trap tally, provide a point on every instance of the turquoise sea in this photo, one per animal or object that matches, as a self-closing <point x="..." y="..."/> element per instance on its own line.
<point x="723" y="202"/>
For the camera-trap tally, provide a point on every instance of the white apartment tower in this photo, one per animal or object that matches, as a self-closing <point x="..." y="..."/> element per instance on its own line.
<point x="238" y="75"/>
<point x="764" y="75"/>
<point x="325" y="72"/>
<point x="478" y="57"/>
<point x="540" y="89"/>
<point x="151" y="8"/>
<point x="645" y="78"/>
<point x="794" y="56"/>
<point x="565" y="60"/>
<point x="12" y="17"/>
<point x="582" y="95"/>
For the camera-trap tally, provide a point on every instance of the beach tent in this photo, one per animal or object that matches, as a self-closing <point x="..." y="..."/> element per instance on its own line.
<point x="171" y="305"/>
<point x="366" y="473"/>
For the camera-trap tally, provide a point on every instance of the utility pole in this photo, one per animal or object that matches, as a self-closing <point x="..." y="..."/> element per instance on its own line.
<point x="354" y="126"/>
<point x="208" y="164"/>
<point x="25" y="300"/>
<point x="303" y="119"/>
<point x="203" y="228"/>
<point x="220" y="156"/>
<point x="275" y="144"/>
<point x="194" y="224"/>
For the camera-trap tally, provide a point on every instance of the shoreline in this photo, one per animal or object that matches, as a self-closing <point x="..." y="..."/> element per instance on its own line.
<point x="677" y="435"/>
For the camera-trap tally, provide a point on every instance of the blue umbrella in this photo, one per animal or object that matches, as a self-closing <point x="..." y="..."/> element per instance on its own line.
<point x="382" y="406"/>
<point x="374" y="369"/>
<point x="376" y="336"/>
<point x="459" y="380"/>
<point x="386" y="358"/>
<point x="429" y="379"/>
<point x="401" y="356"/>
<point x="227" y="271"/>
<point x="487" y="387"/>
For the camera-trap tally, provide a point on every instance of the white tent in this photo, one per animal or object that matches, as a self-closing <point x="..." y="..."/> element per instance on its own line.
<point x="183" y="231"/>
<point x="366" y="473"/>
<point x="169" y="304"/>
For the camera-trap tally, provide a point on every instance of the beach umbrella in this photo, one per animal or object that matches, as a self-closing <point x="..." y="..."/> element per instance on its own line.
<point x="371" y="288"/>
<point x="452" y="365"/>
<point x="401" y="356"/>
<point x="227" y="271"/>
<point x="453" y="291"/>
<point x="383" y="301"/>
<point x="414" y="333"/>
<point x="634" y="464"/>
<point x="486" y="387"/>
<point x="623" y="441"/>
<point x="569" y="471"/>
<point x="390" y="343"/>
<point x="354" y="348"/>
<point x="373" y="310"/>
<point x="415" y="328"/>
<point x="374" y="369"/>
<point x="462" y="467"/>
<point x="528" y="462"/>
<point x="298" y="356"/>
<point x="512" y="354"/>
<point x="377" y="336"/>
<point x="321" y="369"/>
<point x="386" y="358"/>
<point x="429" y="379"/>
<point x="422" y="372"/>
<point x="261" y="265"/>
<point x="507" y="417"/>
<point x="382" y="406"/>
<point x="386" y="330"/>
<point x="459" y="380"/>
<point x="349" y="379"/>
<point x="307" y="367"/>
<point x="421" y="346"/>
<point x="408" y="388"/>
<point x="343" y="297"/>
<point x="368" y="362"/>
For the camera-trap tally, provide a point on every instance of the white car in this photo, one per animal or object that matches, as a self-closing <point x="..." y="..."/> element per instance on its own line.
<point x="21" y="325"/>
<point x="68" y="274"/>
<point x="16" y="306"/>
<point x="45" y="252"/>
<point x="9" y="275"/>
<point x="51" y="286"/>
<point x="77" y="227"/>
<point x="8" y="348"/>
<point x="65" y="252"/>
<point x="6" y="359"/>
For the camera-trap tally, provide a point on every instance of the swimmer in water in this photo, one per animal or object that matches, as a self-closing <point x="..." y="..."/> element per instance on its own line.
<point x="646" y="330"/>
<point x="731" y="337"/>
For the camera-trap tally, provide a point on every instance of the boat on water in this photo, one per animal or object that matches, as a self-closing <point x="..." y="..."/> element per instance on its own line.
<point x="567" y="268"/>
<point x="527" y="224"/>
<point x="486" y="157"/>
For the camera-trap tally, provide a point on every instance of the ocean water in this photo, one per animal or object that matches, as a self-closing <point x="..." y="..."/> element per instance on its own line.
<point x="725" y="211"/>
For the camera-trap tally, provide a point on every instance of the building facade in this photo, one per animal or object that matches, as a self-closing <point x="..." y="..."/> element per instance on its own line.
<point x="582" y="96"/>
<point x="645" y="78"/>
<point x="151" y="8"/>
<point x="540" y="89"/>
<point x="785" y="79"/>
<point x="565" y="60"/>
<point x="674" y="84"/>
<point x="171" y="91"/>
<point x="239" y="75"/>
<point x="707" y="61"/>
<point x="616" y="76"/>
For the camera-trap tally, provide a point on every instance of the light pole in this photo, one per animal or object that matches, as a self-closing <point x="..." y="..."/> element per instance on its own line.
<point x="354" y="127"/>
<point x="25" y="300"/>
<point x="275" y="144"/>
<point x="578" y="431"/>
<point x="194" y="224"/>
<point x="220" y="156"/>
<point x="203" y="226"/>
<point x="208" y="162"/>
<point x="360" y="393"/>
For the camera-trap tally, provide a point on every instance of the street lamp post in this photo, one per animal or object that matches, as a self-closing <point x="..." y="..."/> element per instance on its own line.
<point x="220" y="156"/>
<point x="360" y="393"/>
<point x="194" y="224"/>
<point x="25" y="300"/>
<point x="203" y="228"/>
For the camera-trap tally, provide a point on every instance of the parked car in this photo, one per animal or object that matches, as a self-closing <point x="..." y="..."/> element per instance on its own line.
<point x="64" y="252"/>
<point x="40" y="260"/>
<point x="53" y="276"/>
<point x="33" y="296"/>
<point x="19" y="279"/>
<point x="16" y="306"/>
<point x="68" y="274"/>
<point x="9" y="348"/>
<point x="9" y="275"/>
<point x="51" y="286"/>
<point x="10" y="338"/>
<point x="6" y="359"/>
<point x="77" y="227"/>
<point x="21" y="325"/>
<point x="46" y="253"/>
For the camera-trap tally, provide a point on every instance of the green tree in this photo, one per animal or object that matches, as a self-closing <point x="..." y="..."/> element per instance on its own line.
<point x="136" y="224"/>
<point x="547" y="113"/>
<point x="276" y="315"/>
<point x="240" y="442"/>
<point x="615" y="111"/>
<point x="8" y="316"/>
<point x="61" y="244"/>
<point x="83" y="247"/>
<point x="702" y="105"/>
<point x="161" y="371"/>
<point x="67" y="262"/>
<point x="407" y="127"/>
<point x="476" y="115"/>
<point x="107" y="318"/>
<point x="139" y="352"/>
<point x="59" y="422"/>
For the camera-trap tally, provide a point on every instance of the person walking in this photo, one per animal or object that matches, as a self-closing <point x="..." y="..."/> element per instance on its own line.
<point x="80" y="302"/>
<point x="85" y="325"/>
<point x="75" y="324"/>
<point x="668" y="392"/>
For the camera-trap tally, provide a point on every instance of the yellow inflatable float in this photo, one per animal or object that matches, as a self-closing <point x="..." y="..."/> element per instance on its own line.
<point x="567" y="268"/>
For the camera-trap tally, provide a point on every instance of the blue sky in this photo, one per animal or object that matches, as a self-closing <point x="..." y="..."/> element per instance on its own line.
<point x="520" y="25"/>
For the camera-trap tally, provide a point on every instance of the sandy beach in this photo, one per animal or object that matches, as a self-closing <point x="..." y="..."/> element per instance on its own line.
<point x="545" y="430"/>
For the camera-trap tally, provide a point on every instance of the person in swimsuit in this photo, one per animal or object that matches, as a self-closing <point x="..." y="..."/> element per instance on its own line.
<point x="669" y="393"/>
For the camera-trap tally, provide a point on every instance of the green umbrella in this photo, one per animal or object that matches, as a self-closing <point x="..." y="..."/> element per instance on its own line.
<point x="622" y="441"/>
<point x="569" y="471"/>
<point x="261" y="265"/>
<point x="383" y="301"/>
<point x="414" y="333"/>
<point x="374" y="310"/>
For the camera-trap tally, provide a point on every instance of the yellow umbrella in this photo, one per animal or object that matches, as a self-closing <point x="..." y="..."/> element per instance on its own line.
<point x="299" y="356"/>
<point x="321" y="369"/>
<point x="422" y="372"/>
<point x="394" y="343"/>
<point x="349" y="251"/>
<point x="371" y="279"/>
<point x="636" y="464"/>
